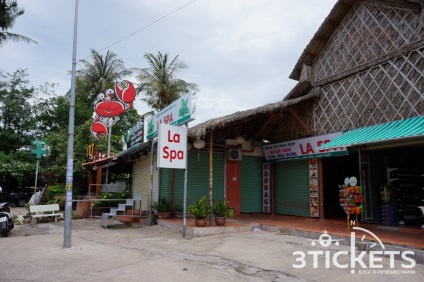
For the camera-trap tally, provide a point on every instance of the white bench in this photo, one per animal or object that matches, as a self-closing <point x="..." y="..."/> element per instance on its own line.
<point x="45" y="211"/>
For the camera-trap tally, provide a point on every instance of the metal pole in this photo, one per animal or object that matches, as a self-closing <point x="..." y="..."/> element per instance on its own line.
<point x="151" y="181"/>
<point x="36" y="176"/>
<point x="110" y="123"/>
<point x="70" y="157"/>
<point x="185" y="194"/>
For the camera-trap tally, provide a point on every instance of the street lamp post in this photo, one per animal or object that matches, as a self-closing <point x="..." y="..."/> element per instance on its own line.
<point x="70" y="156"/>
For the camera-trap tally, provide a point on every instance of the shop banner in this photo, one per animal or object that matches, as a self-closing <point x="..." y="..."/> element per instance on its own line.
<point x="179" y="112"/>
<point x="313" y="187"/>
<point x="266" y="188"/>
<point x="303" y="149"/>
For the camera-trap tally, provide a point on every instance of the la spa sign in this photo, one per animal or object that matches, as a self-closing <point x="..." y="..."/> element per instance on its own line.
<point x="303" y="149"/>
<point x="172" y="146"/>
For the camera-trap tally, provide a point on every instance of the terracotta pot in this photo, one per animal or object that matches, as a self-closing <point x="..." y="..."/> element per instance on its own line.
<point x="179" y="214"/>
<point x="200" y="222"/>
<point x="220" y="221"/>
<point x="164" y="215"/>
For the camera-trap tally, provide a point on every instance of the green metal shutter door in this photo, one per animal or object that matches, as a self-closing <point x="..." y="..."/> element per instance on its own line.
<point x="251" y="184"/>
<point x="197" y="178"/>
<point x="292" y="188"/>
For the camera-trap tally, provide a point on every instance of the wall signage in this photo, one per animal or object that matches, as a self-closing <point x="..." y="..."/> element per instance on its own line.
<point x="172" y="146"/>
<point x="136" y="134"/>
<point x="179" y="112"/>
<point x="266" y="188"/>
<point x="313" y="188"/>
<point x="303" y="149"/>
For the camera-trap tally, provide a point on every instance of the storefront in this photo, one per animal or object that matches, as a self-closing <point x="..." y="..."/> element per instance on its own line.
<point x="391" y="161"/>
<point x="172" y="181"/>
<point x="298" y="186"/>
<point x="251" y="184"/>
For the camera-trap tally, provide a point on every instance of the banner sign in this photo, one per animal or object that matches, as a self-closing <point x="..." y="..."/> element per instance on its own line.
<point x="179" y="112"/>
<point x="313" y="188"/>
<point x="303" y="149"/>
<point x="172" y="146"/>
<point x="266" y="188"/>
<point x="136" y="134"/>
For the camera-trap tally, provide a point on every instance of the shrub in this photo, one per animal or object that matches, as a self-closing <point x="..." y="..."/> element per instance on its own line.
<point x="111" y="195"/>
<point x="200" y="209"/>
<point x="162" y="205"/>
<point x="219" y="208"/>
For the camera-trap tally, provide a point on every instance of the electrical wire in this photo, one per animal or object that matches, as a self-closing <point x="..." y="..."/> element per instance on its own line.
<point x="144" y="27"/>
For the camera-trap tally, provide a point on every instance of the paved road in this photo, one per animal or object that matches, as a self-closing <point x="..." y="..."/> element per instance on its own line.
<point x="36" y="253"/>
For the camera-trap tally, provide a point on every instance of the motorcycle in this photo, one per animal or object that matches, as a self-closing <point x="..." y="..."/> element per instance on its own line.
<point x="6" y="219"/>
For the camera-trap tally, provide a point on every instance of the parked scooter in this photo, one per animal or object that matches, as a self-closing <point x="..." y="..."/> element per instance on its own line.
<point x="6" y="218"/>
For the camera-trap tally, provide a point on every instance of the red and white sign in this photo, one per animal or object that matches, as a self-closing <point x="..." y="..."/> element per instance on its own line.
<point x="266" y="188"/>
<point x="303" y="149"/>
<point x="172" y="146"/>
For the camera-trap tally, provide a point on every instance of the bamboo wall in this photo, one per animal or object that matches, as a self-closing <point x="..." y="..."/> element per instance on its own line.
<point x="372" y="69"/>
<point x="369" y="31"/>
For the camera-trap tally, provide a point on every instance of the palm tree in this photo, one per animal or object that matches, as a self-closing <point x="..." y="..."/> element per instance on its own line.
<point x="159" y="82"/>
<point x="103" y="72"/>
<point x="9" y="11"/>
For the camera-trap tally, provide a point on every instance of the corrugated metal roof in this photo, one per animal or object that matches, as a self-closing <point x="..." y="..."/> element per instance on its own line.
<point x="389" y="131"/>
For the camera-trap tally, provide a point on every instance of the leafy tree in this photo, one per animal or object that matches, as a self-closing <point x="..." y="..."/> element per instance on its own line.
<point x="17" y="122"/>
<point x="102" y="72"/>
<point x="9" y="12"/>
<point x="159" y="82"/>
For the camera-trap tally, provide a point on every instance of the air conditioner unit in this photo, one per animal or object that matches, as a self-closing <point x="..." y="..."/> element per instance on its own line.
<point x="234" y="154"/>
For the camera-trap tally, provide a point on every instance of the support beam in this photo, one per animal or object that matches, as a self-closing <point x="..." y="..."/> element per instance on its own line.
<point x="304" y="125"/>
<point x="99" y="180"/>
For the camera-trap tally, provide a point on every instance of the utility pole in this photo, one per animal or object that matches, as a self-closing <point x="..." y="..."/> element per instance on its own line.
<point x="70" y="157"/>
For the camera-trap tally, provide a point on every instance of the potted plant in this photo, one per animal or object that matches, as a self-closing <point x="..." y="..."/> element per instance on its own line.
<point x="200" y="210"/>
<point x="178" y="211"/>
<point x="162" y="208"/>
<point x="219" y="209"/>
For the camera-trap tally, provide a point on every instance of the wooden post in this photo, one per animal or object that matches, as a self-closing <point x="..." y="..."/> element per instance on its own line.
<point x="99" y="180"/>
<point x="210" y="176"/>
<point x="348" y="221"/>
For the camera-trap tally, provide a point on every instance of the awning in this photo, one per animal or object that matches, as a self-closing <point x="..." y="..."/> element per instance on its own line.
<point x="390" y="131"/>
<point x="135" y="149"/>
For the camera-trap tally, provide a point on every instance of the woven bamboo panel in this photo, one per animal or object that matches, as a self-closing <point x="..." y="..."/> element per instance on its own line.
<point x="291" y="129"/>
<point x="370" y="31"/>
<point x="386" y="92"/>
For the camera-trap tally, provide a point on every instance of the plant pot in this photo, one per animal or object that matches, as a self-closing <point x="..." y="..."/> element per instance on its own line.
<point x="200" y="222"/>
<point x="220" y="221"/>
<point x="179" y="214"/>
<point x="164" y="215"/>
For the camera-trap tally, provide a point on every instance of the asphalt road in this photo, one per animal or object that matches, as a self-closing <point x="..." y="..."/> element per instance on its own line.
<point x="153" y="253"/>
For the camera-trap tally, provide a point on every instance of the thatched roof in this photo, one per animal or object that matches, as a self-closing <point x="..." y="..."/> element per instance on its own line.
<point x="328" y="27"/>
<point x="321" y="37"/>
<point x="200" y="131"/>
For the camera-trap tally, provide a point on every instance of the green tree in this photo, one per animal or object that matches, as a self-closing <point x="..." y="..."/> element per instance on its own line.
<point x="159" y="82"/>
<point x="9" y="12"/>
<point x="17" y="128"/>
<point x="17" y="122"/>
<point x="102" y="72"/>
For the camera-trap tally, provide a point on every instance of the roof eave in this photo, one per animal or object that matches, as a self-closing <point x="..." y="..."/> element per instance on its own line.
<point x="321" y="37"/>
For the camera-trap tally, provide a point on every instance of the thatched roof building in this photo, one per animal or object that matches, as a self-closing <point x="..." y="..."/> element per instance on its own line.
<point x="258" y="123"/>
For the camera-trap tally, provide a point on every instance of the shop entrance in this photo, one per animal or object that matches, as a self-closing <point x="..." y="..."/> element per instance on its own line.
<point x="396" y="181"/>
<point x="335" y="170"/>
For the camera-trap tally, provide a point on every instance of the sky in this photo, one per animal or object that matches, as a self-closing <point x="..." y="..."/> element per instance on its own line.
<point x="239" y="52"/>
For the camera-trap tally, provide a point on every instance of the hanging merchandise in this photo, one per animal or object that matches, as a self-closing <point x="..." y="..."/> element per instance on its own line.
<point x="351" y="198"/>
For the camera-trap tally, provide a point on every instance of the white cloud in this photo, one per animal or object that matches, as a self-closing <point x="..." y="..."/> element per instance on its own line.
<point x="239" y="52"/>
